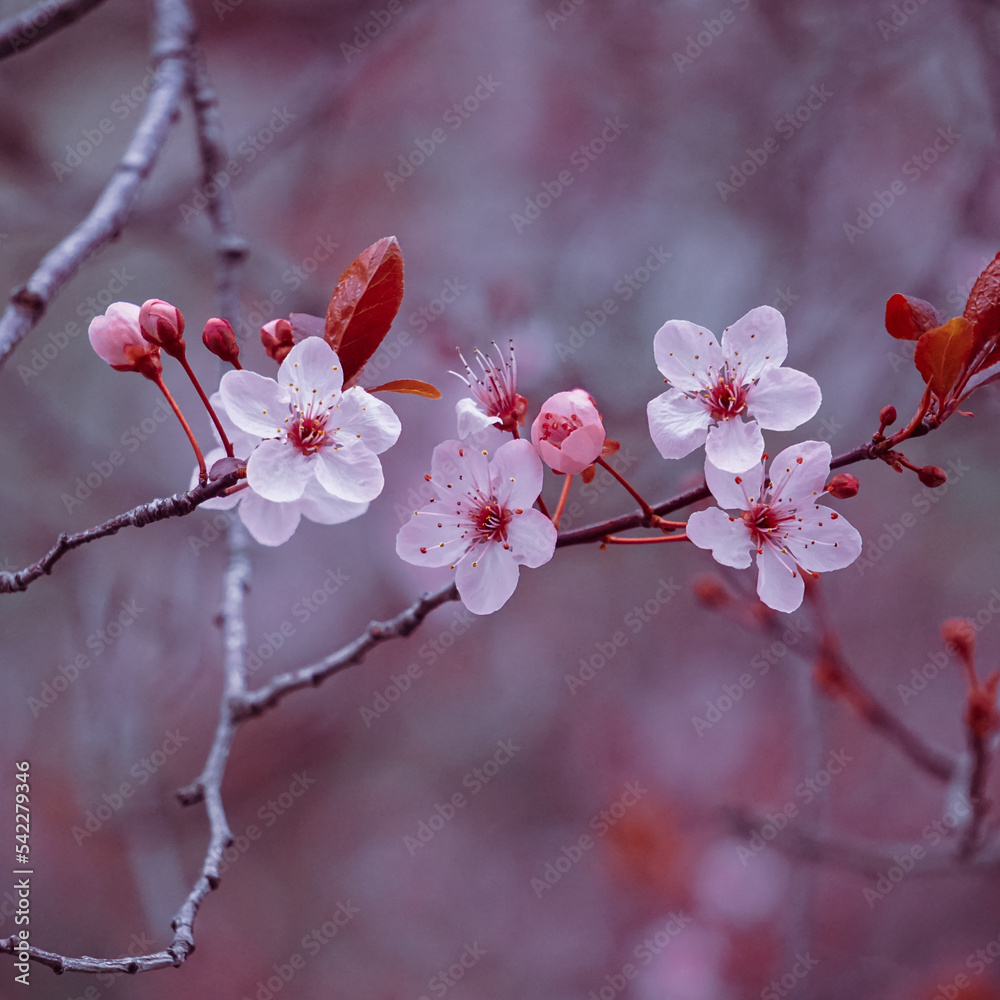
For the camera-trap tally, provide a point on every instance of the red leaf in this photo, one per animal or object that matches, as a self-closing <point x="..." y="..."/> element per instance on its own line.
<point x="983" y="307"/>
<point x="941" y="354"/>
<point x="906" y="317"/>
<point x="410" y="386"/>
<point x="364" y="304"/>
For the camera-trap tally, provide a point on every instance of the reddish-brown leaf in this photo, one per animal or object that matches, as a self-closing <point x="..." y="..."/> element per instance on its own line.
<point x="907" y="318"/>
<point x="941" y="354"/>
<point x="364" y="304"/>
<point x="410" y="386"/>
<point x="983" y="306"/>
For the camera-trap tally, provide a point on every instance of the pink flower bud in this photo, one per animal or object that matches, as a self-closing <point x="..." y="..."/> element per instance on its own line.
<point x="568" y="433"/>
<point x="276" y="337"/>
<point x="117" y="339"/>
<point x="220" y="339"/>
<point x="163" y="325"/>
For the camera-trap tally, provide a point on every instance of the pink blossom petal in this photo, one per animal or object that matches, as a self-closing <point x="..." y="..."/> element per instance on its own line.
<point x="734" y="446"/>
<point x="322" y="508"/>
<point x="686" y="354"/>
<point x="800" y="481"/>
<point x="582" y="448"/>
<point x="783" y="398"/>
<point x="269" y="523"/>
<point x="119" y="326"/>
<point x="824" y="540"/>
<point x="429" y="540"/>
<point x="517" y="474"/>
<point x="274" y="472"/>
<point x="677" y="423"/>
<point x="255" y="404"/>
<point x="730" y="494"/>
<point x="755" y="342"/>
<point x="350" y="472"/>
<point x="532" y="538"/>
<point x="486" y="578"/>
<point x="313" y="368"/>
<point x="456" y="468"/>
<point x="779" y="580"/>
<point x="728" y="538"/>
<point x="373" y="420"/>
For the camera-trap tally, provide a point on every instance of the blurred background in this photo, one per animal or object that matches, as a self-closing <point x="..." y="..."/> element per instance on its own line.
<point x="569" y="174"/>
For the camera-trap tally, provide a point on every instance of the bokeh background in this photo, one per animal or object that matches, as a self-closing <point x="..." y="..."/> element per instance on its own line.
<point x="731" y="146"/>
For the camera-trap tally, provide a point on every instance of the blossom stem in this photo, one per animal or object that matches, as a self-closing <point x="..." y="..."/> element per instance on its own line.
<point x="202" y="471"/>
<point x="900" y="436"/>
<point x="562" y="500"/>
<point x="617" y="540"/>
<point x="226" y="443"/>
<point x="646" y="509"/>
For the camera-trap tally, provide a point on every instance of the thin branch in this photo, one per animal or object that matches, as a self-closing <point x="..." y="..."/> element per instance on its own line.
<point x="173" y="30"/>
<point x="865" y="857"/>
<point x="259" y="701"/>
<point x="138" y="517"/>
<point x="230" y="248"/>
<point x="36" y="23"/>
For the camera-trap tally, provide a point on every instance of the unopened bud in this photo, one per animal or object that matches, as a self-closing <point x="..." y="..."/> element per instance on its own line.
<point x="220" y="339"/>
<point x="959" y="633"/>
<point x="888" y="416"/>
<point x="163" y="325"/>
<point x="843" y="486"/>
<point x="932" y="476"/>
<point x="711" y="591"/>
<point x="276" y="337"/>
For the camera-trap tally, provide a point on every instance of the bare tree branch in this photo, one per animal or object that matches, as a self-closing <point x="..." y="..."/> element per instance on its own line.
<point x="172" y="35"/>
<point x="45" y="18"/>
<point x="138" y="517"/>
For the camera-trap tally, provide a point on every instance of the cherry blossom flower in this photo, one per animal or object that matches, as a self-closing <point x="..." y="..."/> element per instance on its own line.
<point x="713" y="387"/>
<point x="117" y="338"/>
<point x="780" y="519"/>
<point x="568" y="433"/>
<point x="482" y="523"/>
<point x="311" y="428"/>
<point x="268" y="522"/>
<point x="494" y="402"/>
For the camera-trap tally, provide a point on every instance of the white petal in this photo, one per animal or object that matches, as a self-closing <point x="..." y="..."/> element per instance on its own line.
<point x="322" y="508"/>
<point x="360" y="413"/>
<point x="799" y="472"/>
<point x="728" y="538"/>
<point x="472" y="418"/>
<point x="779" y="580"/>
<point x="532" y="538"/>
<point x="270" y="523"/>
<point x="733" y="445"/>
<point x="822" y="540"/>
<point x="242" y="442"/>
<point x="486" y="578"/>
<point x="277" y="471"/>
<point x="255" y="404"/>
<point x="730" y="493"/>
<point x="677" y="424"/>
<point x="686" y="354"/>
<point x="428" y="540"/>
<point x="517" y="474"/>
<point x="755" y="342"/>
<point x="783" y="398"/>
<point x="350" y="472"/>
<point x="311" y="370"/>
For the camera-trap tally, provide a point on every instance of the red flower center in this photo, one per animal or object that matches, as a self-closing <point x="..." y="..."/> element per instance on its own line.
<point x="726" y="397"/>
<point x="764" y="523"/>
<point x="491" y="522"/>
<point x="309" y="434"/>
